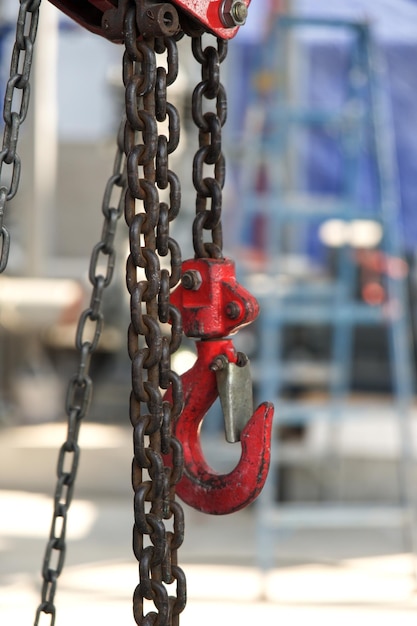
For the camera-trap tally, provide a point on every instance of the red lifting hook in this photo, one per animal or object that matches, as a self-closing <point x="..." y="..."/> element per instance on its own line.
<point x="213" y="305"/>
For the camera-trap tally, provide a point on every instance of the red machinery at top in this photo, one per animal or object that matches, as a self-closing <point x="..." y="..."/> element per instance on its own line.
<point x="105" y="17"/>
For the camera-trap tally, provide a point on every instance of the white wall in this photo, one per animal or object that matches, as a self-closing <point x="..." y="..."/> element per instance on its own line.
<point x="87" y="106"/>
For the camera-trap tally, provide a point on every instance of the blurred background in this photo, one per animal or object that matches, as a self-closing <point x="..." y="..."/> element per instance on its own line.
<point x="319" y="213"/>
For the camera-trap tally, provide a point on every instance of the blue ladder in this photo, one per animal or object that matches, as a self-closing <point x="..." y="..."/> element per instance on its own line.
<point x="358" y="124"/>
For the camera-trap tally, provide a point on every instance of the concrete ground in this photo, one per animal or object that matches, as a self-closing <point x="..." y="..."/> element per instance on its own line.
<point x="320" y="576"/>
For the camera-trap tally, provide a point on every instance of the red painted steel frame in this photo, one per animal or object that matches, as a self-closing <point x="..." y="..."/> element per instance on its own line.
<point x="89" y="14"/>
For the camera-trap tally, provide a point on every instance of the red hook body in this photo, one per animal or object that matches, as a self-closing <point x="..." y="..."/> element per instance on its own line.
<point x="201" y="487"/>
<point x="213" y="305"/>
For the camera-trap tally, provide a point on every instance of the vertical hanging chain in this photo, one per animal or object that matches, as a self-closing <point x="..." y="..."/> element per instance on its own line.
<point x="150" y="349"/>
<point x="210" y="125"/>
<point x="16" y="103"/>
<point x="80" y="385"/>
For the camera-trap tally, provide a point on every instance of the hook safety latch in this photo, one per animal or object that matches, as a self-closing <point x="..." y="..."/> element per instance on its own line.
<point x="214" y="305"/>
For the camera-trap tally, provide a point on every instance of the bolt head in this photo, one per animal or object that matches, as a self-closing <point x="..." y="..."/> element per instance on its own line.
<point x="233" y="13"/>
<point x="239" y="13"/>
<point x="219" y="363"/>
<point x="233" y="310"/>
<point x="191" y="280"/>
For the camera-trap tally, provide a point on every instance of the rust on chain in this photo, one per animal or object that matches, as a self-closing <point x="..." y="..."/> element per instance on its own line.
<point x="210" y="123"/>
<point x="148" y="218"/>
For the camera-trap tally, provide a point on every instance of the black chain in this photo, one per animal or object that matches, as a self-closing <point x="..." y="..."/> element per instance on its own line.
<point x="210" y="125"/>
<point x="158" y="459"/>
<point x="16" y="103"/>
<point x="150" y="349"/>
<point x="80" y="385"/>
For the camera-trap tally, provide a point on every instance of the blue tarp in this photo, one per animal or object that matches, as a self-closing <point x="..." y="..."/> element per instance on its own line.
<point x="394" y="28"/>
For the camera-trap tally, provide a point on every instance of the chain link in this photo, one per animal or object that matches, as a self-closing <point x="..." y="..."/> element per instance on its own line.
<point x="80" y="385"/>
<point x="158" y="460"/>
<point x="16" y="103"/>
<point x="210" y="125"/>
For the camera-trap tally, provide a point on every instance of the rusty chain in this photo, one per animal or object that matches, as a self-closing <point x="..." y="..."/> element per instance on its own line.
<point x="15" y="109"/>
<point x="153" y="479"/>
<point x="209" y="123"/>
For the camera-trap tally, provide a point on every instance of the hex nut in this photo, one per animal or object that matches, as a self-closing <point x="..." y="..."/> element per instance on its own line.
<point x="233" y="310"/>
<point x="191" y="280"/>
<point x="233" y="13"/>
<point x="219" y="363"/>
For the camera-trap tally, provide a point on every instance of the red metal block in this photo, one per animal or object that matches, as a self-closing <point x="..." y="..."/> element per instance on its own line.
<point x="215" y="305"/>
